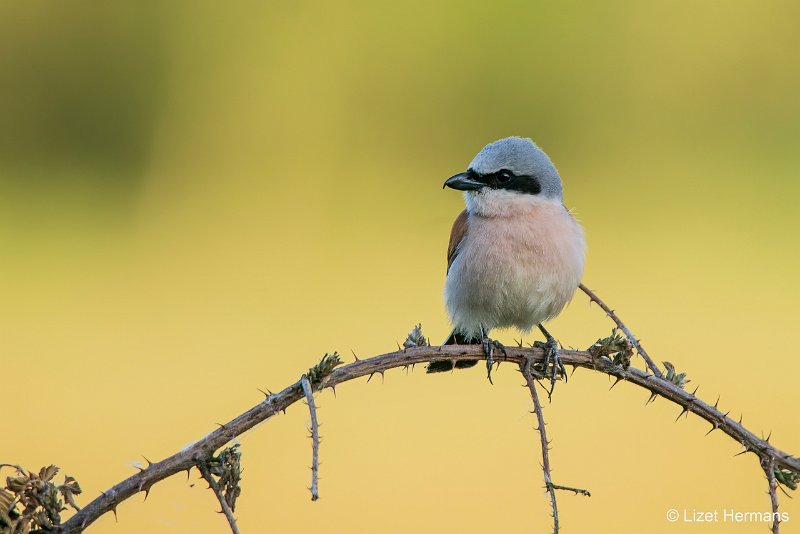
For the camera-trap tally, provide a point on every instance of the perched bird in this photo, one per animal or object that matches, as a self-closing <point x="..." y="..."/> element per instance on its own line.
<point x="516" y="254"/>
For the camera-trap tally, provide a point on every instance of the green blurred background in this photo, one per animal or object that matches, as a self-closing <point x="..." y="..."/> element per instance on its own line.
<point x="199" y="199"/>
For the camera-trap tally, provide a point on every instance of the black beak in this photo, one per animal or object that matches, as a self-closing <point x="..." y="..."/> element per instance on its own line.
<point x="464" y="181"/>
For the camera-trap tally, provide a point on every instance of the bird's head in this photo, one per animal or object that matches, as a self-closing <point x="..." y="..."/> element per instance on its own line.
<point x="506" y="175"/>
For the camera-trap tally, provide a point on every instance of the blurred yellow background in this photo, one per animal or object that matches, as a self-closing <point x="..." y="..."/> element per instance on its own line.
<point x="198" y="200"/>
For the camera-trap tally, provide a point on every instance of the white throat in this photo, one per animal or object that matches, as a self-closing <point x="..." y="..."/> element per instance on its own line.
<point x="502" y="203"/>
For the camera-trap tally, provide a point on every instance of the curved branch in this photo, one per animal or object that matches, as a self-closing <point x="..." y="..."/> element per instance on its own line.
<point x="625" y="330"/>
<point x="276" y="402"/>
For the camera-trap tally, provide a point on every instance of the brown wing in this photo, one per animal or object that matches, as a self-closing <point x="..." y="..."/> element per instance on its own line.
<point x="456" y="235"/>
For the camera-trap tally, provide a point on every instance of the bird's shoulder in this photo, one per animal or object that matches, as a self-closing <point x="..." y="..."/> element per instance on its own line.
<point x="457" y="233"/>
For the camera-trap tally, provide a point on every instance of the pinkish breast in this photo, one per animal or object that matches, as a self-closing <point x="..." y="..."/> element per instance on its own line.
<point x="516" y="270"/>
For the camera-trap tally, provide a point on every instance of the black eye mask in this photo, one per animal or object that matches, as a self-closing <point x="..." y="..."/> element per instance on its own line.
<point x="505" y="179"/>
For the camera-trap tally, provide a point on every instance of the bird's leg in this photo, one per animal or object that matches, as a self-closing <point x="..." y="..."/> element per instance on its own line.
<point x="488" y="349"/>
<point x="551" y="357"/>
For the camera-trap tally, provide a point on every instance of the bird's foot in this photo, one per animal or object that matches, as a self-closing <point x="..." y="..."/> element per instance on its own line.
<point x="489" y="346"/>
<point x="552" y="366"/>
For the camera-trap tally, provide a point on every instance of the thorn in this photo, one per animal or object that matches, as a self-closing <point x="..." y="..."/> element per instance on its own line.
<point x="684" y="411"/>
<point x="740" y="418"/>
<point x="114" y="509"/>
<point x="334" y="390"/>
<point x="745" y="451"/>
<point x="726" y="413"/>
<point x="266" y="395"/>
<point x="149" y="463"/>
<point x="695" y="390"/>
<point x="146" y="490"/>
<point x="716" y="404"/>
<point x="768" y="436"/>
<point x="370" y="377"/>
<point x="188" y="472"/>
<point x="574" y="367"/>
<point x="617" y="381"/>
<point x="354" y="355"/>
<point x="713" y="428"/>
<point x="398" y="346"/>
<point x="220" y="425"/>
<point x="651" y="399"/>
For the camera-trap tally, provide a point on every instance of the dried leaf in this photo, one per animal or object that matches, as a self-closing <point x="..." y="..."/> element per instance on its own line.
<point x="324" y="367"/>
<point x="415" y="338"/>
<point x="679" y="379"/>
<point x="615" y="348"/>
<point x="228" y="468"/>
<point x="47" y="473"/>
<point x="40" y="499"/>
<point x="788" y="478"/>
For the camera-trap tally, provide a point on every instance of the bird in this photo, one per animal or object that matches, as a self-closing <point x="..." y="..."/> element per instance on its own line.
<point x="516" y="253"/>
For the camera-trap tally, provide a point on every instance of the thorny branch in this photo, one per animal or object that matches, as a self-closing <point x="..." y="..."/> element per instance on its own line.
<point x="201" y="465"/>
<point x="277" y="402"/>
<point x="635" y="342"/>
<point x="525" y="369"/>
<point x="551" y="488"/>
<point x="782" y="469"/>
<point x="767" y="461"/>
<point x="769" y="469"/>
<point x="314" y="437"/>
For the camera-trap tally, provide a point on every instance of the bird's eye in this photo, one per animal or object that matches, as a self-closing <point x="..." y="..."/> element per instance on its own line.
<point x="504" y="176"/>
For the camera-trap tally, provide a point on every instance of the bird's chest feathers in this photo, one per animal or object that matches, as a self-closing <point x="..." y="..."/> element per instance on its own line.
<point x="521" y="268"/>
<point x="535" y="243"/>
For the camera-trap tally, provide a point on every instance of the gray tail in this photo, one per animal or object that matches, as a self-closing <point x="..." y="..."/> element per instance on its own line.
<point x="455" y="338"/>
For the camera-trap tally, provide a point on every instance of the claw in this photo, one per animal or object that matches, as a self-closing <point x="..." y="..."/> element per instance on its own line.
<point x="552" y="359"/>
<point x="488" y="350"/>
<point x="489" y="346"/>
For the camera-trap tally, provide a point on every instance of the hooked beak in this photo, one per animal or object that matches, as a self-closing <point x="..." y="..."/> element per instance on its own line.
<point x="463" y="182"/>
